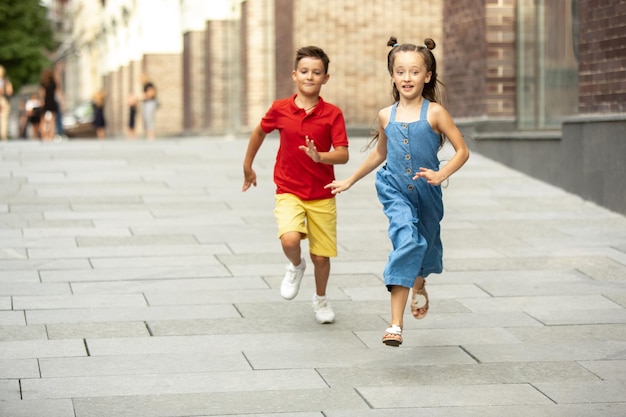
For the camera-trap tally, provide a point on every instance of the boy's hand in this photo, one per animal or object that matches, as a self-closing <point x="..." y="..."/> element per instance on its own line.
<point x="311" y="150"/>
<point x="249" y="178"/>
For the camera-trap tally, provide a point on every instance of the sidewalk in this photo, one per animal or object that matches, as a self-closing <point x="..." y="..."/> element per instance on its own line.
<point x="137" y="280"/>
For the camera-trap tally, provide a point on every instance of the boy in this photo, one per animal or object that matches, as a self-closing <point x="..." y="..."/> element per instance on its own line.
<point x="312" y="139"/>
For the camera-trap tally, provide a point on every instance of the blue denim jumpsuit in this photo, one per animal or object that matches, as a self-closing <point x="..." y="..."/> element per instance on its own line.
<point x="414" y="207"/>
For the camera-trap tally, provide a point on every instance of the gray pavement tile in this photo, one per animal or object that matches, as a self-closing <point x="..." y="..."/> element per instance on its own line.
<point x="37" y="408"/>
<point x="44" y="264"/>
<point x="133" y="273"/>
<point x="128" y="251"/>
<point x="60" y="232"/>
<point x="15" y="333"/>
<point x="219" y="296"/>
<point x="574" y="333"/>
<point x="574" y="303"/>
<point x="11" y="253"/>
<point x="126" y="241"/>
<point x="215" y="343"/>
<point x="264" y="402"/>
<point x="12" y="318"/>
<point x="7" y="277"/>
<point x="156" y="261"/>
<point x="169" y="285"/>
<point x="548" y="352"/>
<point x="188" y="362"/>
<point x="570" y="317"/>
<point x="25" y="302"/>
<point x="96" y="330"/>
<point x="361" y="358"/>
<point x="175" y="383"/>
<point x="452" y="396"/>
<point x="603" y="269"/>
<point x="581" y="392"/>
<point x="42" y="349"/>
<point x="468" y="320"/>
<point x="551" y="410"/>
<point x="111" y="314"/>
<point x="298" y="318"/>
<point x="19" y="368"/>
<point x="9" y="389"/>
<point x="5" y="303"/>
<point x="34" y="289"/>
<point x="443" y="337"/>
<point x="414" y="369"/>
<point x="607" y="370"/>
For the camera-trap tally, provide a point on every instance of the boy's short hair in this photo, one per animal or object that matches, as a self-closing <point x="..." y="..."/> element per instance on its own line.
<point x="312" y="52"/>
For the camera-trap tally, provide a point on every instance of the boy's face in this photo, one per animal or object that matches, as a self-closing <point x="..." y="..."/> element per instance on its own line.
<point x="309" y="76"/>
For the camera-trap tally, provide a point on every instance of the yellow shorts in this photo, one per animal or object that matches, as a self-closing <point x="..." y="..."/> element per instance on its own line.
<point x="315" y="220"/>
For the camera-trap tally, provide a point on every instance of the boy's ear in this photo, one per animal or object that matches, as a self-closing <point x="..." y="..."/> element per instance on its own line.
<point x="293" y="75"/>
<point x="326" y="77"/>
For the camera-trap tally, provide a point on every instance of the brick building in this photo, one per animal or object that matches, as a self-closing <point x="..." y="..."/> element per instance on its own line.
<point x="538" y="85"/>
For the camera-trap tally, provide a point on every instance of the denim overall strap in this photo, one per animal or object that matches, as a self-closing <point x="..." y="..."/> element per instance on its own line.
<point x="424" y="112"/>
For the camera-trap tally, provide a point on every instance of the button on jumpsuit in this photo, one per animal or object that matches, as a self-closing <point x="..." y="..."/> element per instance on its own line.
<point x="414" y="207"/>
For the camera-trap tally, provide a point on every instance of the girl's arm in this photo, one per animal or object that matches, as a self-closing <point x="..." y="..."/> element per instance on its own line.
<point x="442" y="123"/>
<point x="376" y="157"/>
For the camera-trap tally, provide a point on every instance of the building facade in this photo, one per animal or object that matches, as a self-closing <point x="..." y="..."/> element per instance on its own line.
<point x="539" y="85"/>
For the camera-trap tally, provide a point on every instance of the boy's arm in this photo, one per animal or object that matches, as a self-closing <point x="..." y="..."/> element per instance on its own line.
<point x="255" y="142"/>
<point x="338" y="155"/>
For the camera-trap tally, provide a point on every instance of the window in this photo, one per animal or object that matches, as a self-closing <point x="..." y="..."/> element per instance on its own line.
<point x="547" y="66"/>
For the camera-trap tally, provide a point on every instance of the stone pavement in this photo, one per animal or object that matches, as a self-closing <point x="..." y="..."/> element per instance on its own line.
<point x="137" y="280"/>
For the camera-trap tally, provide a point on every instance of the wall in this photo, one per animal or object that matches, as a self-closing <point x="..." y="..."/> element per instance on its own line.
<point x="602" y="51"/>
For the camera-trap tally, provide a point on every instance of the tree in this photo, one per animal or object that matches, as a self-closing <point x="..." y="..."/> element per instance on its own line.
<point x="25" y="37"/>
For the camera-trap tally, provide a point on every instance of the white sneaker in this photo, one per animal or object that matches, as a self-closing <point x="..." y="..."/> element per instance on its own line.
<point x="291" y="283"/>
<point x="323" y="312"/>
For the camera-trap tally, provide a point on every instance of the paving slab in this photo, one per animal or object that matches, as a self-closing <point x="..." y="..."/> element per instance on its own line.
<point x="136" y="279"/>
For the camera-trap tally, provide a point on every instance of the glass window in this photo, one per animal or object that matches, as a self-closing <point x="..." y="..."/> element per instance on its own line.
<point x="547" y="80"/>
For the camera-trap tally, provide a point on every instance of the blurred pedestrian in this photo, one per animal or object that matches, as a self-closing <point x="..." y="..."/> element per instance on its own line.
<point x="149" y="106"/>
<point x="23" y="120"/>
<point x="98" y="113"/>
<point x="6" y="91"/>
<point x="132" y="116"/>
<point x="33" y="112"/>
<point x="48" y="91"/>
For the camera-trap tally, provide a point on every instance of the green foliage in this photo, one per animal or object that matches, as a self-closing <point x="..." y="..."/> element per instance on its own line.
<point x="25" y="37"/>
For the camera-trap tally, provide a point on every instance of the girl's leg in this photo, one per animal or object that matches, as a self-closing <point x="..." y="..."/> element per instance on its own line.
<point x="419" y="289"/>
<point x="399" y="295"/>
<point x="322" y="272"/>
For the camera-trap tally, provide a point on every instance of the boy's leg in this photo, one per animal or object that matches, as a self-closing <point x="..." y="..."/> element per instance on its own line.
<point x="290" y="242"/>
<point x="322" y="272"/>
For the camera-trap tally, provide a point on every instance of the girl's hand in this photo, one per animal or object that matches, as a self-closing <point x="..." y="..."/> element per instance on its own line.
<point x="338" y="186"/>
<point x="311" y="150"/>
<point x="431" y="177"/>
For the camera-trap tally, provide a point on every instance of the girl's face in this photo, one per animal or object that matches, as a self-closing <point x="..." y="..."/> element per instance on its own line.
<point x="409" y="74"/>
<point x="309" y="76"/>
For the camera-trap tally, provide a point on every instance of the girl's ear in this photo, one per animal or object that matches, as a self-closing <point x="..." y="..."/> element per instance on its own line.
<point x="428" y="76"/>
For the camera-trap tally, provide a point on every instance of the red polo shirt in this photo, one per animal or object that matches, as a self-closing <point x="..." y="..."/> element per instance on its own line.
<point x="294" y="171"/>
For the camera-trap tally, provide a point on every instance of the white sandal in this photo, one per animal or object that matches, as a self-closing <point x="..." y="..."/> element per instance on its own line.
<point x="393" y="336"/>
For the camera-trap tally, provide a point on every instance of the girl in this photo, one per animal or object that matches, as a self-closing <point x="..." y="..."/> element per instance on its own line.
<point x="410" y="133"/>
